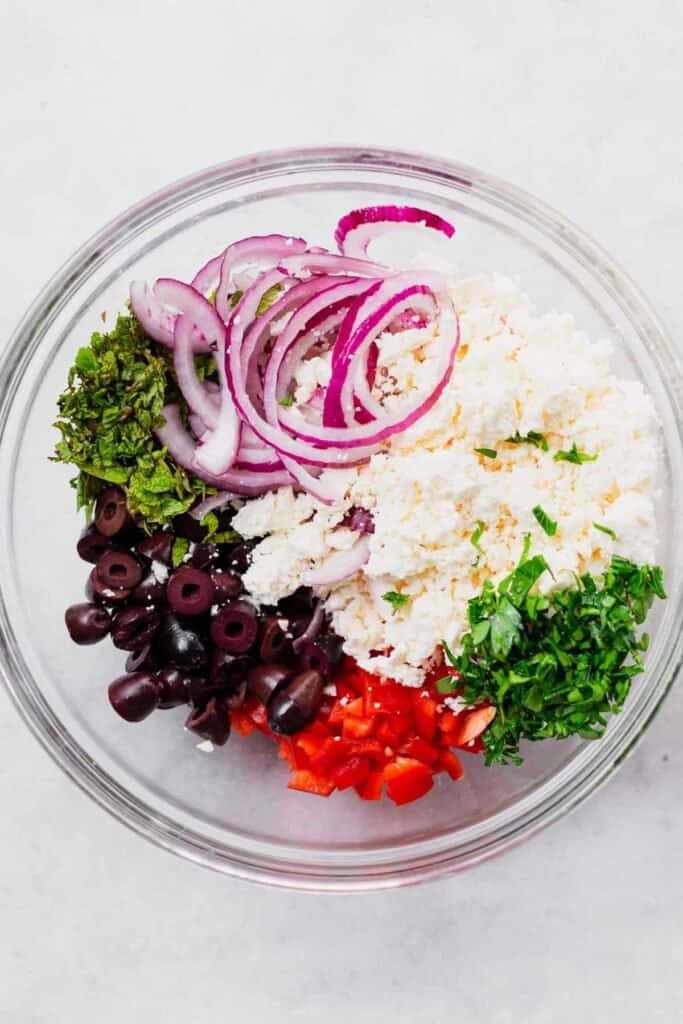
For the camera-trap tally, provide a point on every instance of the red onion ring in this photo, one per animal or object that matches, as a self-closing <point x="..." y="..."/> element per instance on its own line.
<point x="248" y="251"/>
<point x="340" y="565"/>
<point x="357" y="229"/>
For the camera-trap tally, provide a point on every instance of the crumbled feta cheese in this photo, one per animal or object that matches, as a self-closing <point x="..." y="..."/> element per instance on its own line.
<point x="206" y="746"/>
<point x="159" y="571"/>
<point x="428" y="488"/>
<point x="456" y="704"/>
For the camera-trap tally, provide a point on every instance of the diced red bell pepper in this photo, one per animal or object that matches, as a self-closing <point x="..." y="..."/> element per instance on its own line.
<point x="419" y="749"/>
<point x="308" y="782"/>
<point x="387" y="735"/>
<point x="242" y="723"/>
<point x="259" y="716"/>
<point x="358" y="728"/>
<point x="407" y="780"/>
<point x="352" y="773"/>
<point x="448" y="722"/>
<point x="450" y="762"/>
<point x="473" y="723"/>
<point x="424" y="710"/>
<point x="372" y="788"/>
<point x="390" y="698"/>
<point x="287" y="752"/>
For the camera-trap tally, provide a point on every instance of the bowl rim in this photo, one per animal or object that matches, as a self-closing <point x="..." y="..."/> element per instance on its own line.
<point x="259" y="865"/>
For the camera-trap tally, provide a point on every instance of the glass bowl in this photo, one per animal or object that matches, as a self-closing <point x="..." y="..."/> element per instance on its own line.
<point x="231" y="810"/>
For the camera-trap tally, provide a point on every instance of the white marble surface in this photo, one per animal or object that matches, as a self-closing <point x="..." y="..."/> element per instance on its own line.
<point x="580" y="103"/>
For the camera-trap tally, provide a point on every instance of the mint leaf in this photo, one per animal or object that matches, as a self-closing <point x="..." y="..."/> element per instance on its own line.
<point x="489" y="453"/>
<point x="395" y="599"/>
<point x="605" y="529"/>
<point x="547" y="524"/>
<point x="532" y="438"/>
<point x="573" y="455"/>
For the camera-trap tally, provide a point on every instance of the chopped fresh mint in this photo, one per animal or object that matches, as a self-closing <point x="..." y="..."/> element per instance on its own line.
<point x="547" y="524"/>
<point x="287" y="400"/>
<point x="211" y="524"/>
<point x="489" y="453"/>
<point x="181" y="546"/>
<point x="476" y="537"/>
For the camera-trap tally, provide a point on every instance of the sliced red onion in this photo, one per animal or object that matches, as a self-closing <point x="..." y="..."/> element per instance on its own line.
<point x="359" y="519"/>
<point x="373" y="433"/>
<point x="185" y="299"/>
<point x="263" y="459"/>
<point x="329" y="263"/>
<point x="358" y="228"/>
<point x="195" y="394"/>
<point x="207" y="276"/>
<point x="339" y="566"/>
<point x="216" y="501"/>
<point x="181" y="448"/>
<point x="157" y="322"/>
<point x="250" y="251"/>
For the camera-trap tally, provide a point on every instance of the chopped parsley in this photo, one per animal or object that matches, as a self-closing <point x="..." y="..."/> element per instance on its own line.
<point x="395" y="599"/>
<point x="287" y="400"/>
<point x="554" y="666"/>
<point x="605" y="529"/>
<point x="533" y="438"/>
<point x="574" y="455"/>
<point x="476" y="537"/>
<point x="108" y="413"/>
<point x="489" y="453"/>
<point x="547" y="524"/>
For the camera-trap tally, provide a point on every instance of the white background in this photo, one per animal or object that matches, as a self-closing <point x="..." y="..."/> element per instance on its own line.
<point x="579" y="101"/>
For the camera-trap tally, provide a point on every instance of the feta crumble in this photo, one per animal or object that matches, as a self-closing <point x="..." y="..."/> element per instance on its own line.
<point x="428" y="488"/>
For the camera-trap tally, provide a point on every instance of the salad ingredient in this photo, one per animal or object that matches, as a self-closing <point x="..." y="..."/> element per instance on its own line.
<point x="118" y="570"/>
<point x="574" y="455"/>
<point x="134" y="627"/>
<point x="157" y="547"/>
<point x="134" y="696"/>
<point x="91" y="544"/>
<point x="395" y="599"/>
<point x="235" y="627"/>
<point x="322" y="655"/>
<point x="211" y="722"/>
<point x="516" y="372"/>
<point x="226" y="585"/>
<point x="605" y="529"/>
<point x="532" y="438"/>
<point x="116" y="390"/>
<point x="101" y="593"/>
<point x="111" y="513"/>
<point x="181" y="645"/>
<point x="190" y="591"/>
<point x="87" y="623"/>
<point x="264" y="680"/>
<point x="293" y="706"/>
<point x="489" y="453"/>
<point x="547" y="524"/>
<point x="358" y="228"/>
<point x="274" y="645"/>
<point x="555" y="665"/>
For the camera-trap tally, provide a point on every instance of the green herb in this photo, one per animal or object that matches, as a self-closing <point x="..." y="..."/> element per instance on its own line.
<point x="116" y="390"/>
<point x="554" y="666"/>
<point x="489" y="453"/>
<point x="574" y="455"/>
<point x="235" y="297"/>
<point x="211" y="524"/>
<point x="287" y="400"/>
<point x="605" y="529"/>
<point x="544" y="521"/>
<point x="395" y="599"/>
<point x="476" y="537"/>
<point x="533" y="438"/>
<point x="449" y="684"/>
<point x="266" y="301"/>
<point x="181" y="546"/>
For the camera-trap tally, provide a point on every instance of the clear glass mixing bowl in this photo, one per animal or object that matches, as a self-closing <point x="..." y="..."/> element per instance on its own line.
<point x="231" y="810"/>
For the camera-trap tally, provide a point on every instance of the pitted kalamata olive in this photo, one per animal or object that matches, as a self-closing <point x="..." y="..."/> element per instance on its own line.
<point x="321" y="655"/>
<point x="134" y="696"/>
<point x="211" y="722"/>
<point x="87" y="623"/>
<point x="111" y="514"/>
<point x="234" y="628"/>
<point x="236" y="699"/>
<point x="296" y="704"/>
<point x="118" y="570"/>
<point x="134" y="626"/>
<point x="150" y="591"/>
<point x="181" y="645"/>
<point x="359" y="519"/>
<point x="238" y="558"/>
<point x="143" y="657"/>
<point x="228" y="670"/>
<point x="176" y="687"/>
<point x="273" y="644"/>
<point x="264" y="680"/>
<point x="189" y="591"/>
<point x="187" y="526"/>
<point x="158" y="547"/>
<point x="91" y="544"/>
<point x="227" y="585"/>
<point x="301" y="601"/>
<point x="204" y="555"/>
<point x="95" y="590"/>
